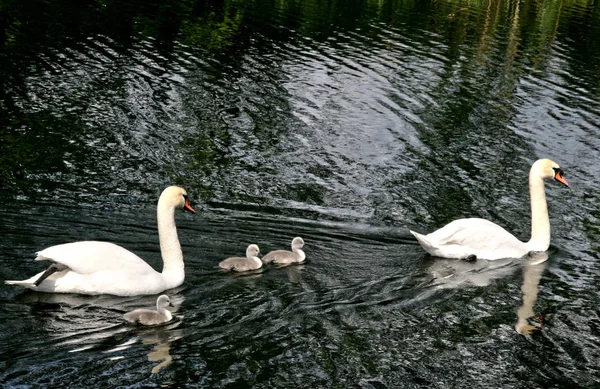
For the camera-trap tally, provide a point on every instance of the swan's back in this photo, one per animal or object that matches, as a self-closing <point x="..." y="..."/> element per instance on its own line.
<point x="146" y="317"/>
<point x="87" y="257"/>
<point x="473" y="236"/>
<point x="472" y="231"/>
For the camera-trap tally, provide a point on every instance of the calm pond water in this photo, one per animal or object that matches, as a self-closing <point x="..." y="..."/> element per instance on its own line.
<point x="346" y="123"/>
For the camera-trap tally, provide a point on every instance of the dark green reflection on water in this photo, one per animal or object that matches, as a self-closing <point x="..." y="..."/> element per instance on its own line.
<point x="280" y="116"/>
<point x="486" y="47"/>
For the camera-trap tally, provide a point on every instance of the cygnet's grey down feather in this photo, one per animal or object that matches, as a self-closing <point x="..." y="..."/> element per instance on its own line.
<point x="250" y="262"/>
<point x="149" y="317"/>
<point x="285" y="257"/>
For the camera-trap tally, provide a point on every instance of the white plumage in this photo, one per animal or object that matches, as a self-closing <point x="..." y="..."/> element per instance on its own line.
<point x="482" y="238"/>
<point x="91" y="267"/>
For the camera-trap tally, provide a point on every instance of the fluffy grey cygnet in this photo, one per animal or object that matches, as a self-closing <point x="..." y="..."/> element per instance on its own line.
<point x="149" y="317"/>
<point x="250" y="262"/>
<point x="285" y="257"/>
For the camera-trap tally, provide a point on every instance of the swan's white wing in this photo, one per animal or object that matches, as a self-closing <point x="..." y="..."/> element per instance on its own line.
<point x="473" y="236"/>
<point x="91" y="256"/>
<point x="473" y="232"/>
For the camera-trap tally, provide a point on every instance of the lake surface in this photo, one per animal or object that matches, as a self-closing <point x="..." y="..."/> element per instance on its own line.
<point x="346" y="123"/>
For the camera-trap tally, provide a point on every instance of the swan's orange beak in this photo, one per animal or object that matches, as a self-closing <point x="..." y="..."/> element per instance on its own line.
<point x="188" y="206"/>
<point x="559" y="176"/>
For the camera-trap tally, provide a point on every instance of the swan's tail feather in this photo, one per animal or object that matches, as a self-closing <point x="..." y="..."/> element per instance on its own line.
<point x="422" y="239"/>
<point x="25" y="283"/>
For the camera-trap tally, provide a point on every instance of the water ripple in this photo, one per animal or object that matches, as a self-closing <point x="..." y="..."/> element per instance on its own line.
<point x="342" y="123"/>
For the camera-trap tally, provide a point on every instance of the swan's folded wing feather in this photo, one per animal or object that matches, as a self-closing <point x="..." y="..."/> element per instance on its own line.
<point x="475" y="233"/>
<point x="459" y="230"/>
<point x="446" y="234"/>
<point x="91" y="256"/>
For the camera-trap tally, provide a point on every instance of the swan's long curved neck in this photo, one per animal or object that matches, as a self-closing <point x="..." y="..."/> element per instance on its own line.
<point x="173" y="268"/>
<point x="540" y="223"/>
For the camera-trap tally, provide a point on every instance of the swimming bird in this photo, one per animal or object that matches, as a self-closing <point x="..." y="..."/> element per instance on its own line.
<point x="91" y="267"/>
<point x="149" y="317"/>
<point x="250" y="262"/>
<point x="284" y="257"/>
<point x="479" y="238"/>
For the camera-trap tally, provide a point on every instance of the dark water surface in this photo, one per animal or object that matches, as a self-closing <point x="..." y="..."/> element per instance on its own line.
<point x="344" y="122"/>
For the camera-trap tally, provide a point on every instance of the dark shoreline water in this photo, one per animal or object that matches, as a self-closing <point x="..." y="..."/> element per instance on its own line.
<point x="346" y="123"/>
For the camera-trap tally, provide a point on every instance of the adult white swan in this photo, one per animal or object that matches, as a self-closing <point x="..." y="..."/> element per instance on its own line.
<point x="479" y="238"/>
<point x="90" y="267"/>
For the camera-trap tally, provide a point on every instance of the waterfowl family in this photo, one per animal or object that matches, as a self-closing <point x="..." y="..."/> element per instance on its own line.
<point x="284" y="257"/>
<point x="480" y="238"/>
<point x="91" y="267"/>
<point x="149" y="317"/>
<point x="250" y="262"/>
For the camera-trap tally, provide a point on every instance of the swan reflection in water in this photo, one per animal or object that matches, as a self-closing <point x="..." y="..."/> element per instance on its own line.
<point x="161" y="338"/>
<point x="533" y="268"/>
<point x="452" y="273"/>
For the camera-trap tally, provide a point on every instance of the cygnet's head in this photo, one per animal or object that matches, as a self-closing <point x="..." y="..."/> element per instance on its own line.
<point x="252" y="251"/>
<point x="547" y="169"/>
<point x="297" y="243"/>
<point x="177" y="197"/>
<point x="163" y="302"/>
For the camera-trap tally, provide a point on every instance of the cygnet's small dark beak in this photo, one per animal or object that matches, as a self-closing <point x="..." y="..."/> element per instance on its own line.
<point x="259" y="255"/>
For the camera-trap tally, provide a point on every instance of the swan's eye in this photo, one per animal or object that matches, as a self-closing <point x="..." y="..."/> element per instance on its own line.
<point x="558" y="171"/>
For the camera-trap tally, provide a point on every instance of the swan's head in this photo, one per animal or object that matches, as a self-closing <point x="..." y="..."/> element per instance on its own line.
<point x="163" y="302"/>
<point x="252" y="251"/>
<point x="177" y="197"/>
<point x="547" y="169"/>
<point x="297" y="243"/>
